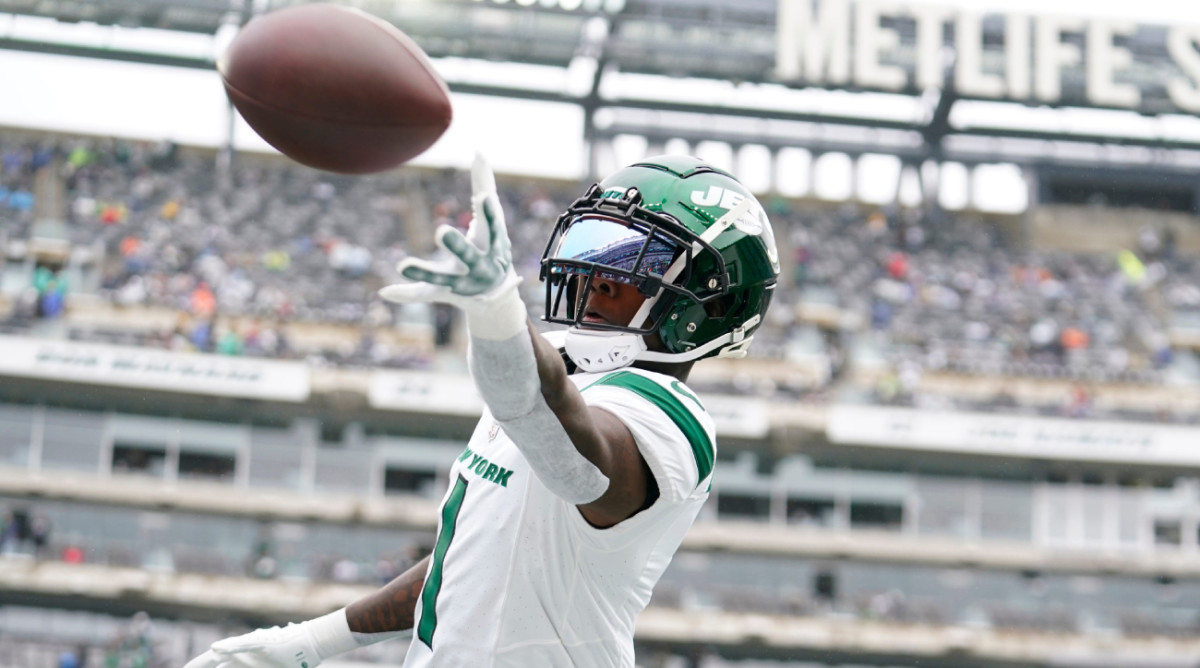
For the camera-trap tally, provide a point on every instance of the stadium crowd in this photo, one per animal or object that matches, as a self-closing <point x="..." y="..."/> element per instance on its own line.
<point x="245" y="251"/>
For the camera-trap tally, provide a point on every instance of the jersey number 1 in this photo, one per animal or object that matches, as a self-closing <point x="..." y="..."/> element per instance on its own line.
<point x="433" y="582"/>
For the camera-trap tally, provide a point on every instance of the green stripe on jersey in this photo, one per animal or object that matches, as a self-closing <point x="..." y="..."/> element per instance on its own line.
<point x="702" y="447"/>
<point x="433" y="581"/>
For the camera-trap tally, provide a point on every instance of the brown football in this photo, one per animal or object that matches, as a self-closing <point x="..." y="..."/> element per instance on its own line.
<point x="335" y="88"/>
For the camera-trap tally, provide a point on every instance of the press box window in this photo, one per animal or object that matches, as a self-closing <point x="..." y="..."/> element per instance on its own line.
<point x="809" y="511"/>
<point x="408" y="481"/>
<point x="875" y="515"/>
<point x="1167" y="532"/>
<point x="743" y="505"/>
<point x="139" y="458"/>
<point x="207" y="465"/>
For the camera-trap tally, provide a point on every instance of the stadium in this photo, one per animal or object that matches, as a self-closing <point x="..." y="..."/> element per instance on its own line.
<point x="967" y="434"/>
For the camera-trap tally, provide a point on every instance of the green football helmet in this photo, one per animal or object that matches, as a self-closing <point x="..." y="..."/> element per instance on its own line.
<point x="692" y="239"/>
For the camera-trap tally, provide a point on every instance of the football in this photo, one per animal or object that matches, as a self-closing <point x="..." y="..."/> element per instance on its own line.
<point x="335" y="88"/>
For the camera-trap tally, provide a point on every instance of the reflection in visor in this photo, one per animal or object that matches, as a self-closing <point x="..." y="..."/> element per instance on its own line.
<point x="611" y="244"/>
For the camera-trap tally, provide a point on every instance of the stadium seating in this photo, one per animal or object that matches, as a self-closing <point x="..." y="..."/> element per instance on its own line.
<point x="269" y="259"/>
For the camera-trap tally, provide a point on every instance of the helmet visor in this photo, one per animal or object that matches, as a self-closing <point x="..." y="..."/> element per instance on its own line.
<point x="592" y="247"/>
<point x="601" y="243"/>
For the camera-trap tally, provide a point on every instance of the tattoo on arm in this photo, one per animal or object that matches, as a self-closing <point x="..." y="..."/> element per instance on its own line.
<point x="392" y="607"/>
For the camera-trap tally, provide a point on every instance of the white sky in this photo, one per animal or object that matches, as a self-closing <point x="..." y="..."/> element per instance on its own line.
<point x="188" y="106"/>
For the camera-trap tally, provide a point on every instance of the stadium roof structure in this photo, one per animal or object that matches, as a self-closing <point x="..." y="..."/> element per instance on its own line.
<point x="771" y="72"/>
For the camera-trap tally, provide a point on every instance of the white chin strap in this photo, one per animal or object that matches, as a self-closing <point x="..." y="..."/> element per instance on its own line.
<point x="597" y="351"/>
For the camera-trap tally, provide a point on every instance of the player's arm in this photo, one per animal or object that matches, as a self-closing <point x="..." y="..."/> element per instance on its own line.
<point x="584" y="455"/>
<point x="596" y="434"/>
<point x="391" y="607"/>
<point x="385" y="614"/>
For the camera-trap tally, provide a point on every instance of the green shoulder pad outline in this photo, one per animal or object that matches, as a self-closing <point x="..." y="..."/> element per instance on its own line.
<point x="702" y="446"/>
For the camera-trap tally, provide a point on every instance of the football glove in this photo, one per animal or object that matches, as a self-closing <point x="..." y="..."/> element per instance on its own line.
<point x="478" y="278"/>
<point x="303" y="645"/>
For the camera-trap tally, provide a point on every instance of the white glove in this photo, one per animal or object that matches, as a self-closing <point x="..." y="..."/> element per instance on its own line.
<point x="479" y="279"/>
<point x="303" y="645"/>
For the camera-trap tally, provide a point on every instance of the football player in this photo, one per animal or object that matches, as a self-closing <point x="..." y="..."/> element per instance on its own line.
<point x="592" y="457"/>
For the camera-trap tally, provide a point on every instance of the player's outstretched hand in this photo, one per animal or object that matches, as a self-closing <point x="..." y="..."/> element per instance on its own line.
<point x="479" y="278"/>
<point x="290" y="646"/>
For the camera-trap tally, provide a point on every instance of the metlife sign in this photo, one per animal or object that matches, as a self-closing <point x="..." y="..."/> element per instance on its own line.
<point x="1030" y="58"/>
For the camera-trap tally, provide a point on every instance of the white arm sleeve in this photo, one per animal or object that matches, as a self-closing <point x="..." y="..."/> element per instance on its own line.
<point x="506" y="374"/>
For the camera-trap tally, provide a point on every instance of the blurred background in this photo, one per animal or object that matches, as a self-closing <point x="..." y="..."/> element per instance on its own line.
<point x="968" y="435"/>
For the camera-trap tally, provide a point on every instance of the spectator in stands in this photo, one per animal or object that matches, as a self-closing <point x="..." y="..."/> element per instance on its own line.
<point x="228" y="340"/>
<point x="202" y="303"/>
<point x="1169" y="243"/>
<point x="203" y="334"/>
<point x="39" y="534"/>
<point x="52" y="300"/>
<point x="1080" y="403"/>
<point x="51" y="290"/>
<point x="20" y="201"/>
<point x="69" y="660"/>
<point x="14" y="159"/>
<point x="72" y="554"/>
<point x="345" y="570"/>
<point x="263" y="562"/>
<point x="133" y="646"/>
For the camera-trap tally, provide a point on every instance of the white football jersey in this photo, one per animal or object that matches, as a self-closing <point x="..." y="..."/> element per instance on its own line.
<point x="519" y="579"/>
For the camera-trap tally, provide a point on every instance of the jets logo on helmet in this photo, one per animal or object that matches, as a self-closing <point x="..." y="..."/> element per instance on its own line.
<point x="692" y="239"/>
<point x="614" y="192"/>
<point x="753" y="221"/>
